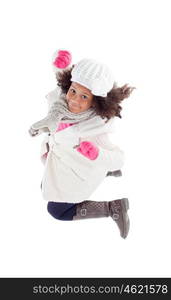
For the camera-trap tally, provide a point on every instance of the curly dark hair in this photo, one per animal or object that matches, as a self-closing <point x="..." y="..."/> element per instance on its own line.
<point x="106" y="107"/>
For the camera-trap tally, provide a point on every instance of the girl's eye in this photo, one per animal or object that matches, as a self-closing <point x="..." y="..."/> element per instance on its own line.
<point x="72" y="91"/>
<point x="84" y="97"/>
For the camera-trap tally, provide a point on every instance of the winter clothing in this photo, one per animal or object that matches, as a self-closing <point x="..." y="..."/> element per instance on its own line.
<point x="66" y="167"/>
<point x="66" y="211"/>
<point x="62" y="211"/>
<point x="62" y="126"/>
<point x="77" y="152"/>
<point x="88" y="149"/>
<point x="95" y="76"/>
<point x="58" y="112"/>
<point x="117" y="209"/>
<point x="61" y="59"/>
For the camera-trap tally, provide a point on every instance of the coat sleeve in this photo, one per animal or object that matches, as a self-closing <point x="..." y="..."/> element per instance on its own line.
<point x="116" y="155"/>
<point x="47" y="124"/>
<point x="52" y="97"/>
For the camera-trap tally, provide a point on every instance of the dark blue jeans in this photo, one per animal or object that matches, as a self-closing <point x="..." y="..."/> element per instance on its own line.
<point x="62" y="211"/>
<point x="66" y="211"/>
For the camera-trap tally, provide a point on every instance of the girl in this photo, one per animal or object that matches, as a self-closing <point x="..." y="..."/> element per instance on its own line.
<point x="76" y="151"/>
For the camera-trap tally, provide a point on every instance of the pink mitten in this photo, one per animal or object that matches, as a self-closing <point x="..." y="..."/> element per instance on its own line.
<point x="62" y="59"/>
<point x="88" y="149"/>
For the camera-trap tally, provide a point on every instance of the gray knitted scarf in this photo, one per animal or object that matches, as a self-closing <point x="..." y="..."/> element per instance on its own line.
<point x="59" y="112"/>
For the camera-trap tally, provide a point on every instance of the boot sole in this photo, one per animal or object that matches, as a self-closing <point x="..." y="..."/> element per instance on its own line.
<point x="125" y="206"/>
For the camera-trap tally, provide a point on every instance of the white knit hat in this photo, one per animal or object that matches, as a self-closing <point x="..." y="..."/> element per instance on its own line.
<point x="95" y="76"/>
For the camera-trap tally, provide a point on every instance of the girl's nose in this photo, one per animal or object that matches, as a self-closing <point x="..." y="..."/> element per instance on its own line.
<point x="76" y="98"/>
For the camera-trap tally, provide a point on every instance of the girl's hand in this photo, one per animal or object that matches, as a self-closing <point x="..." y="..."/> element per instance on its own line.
<point x="62" y="59"/>
<point x="88" y="149"/>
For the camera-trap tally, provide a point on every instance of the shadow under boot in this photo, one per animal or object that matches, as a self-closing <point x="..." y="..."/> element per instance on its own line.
<point x="117" y="209"/>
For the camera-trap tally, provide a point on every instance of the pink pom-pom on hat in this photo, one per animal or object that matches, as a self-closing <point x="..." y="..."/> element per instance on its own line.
<point x="61" y="60"/>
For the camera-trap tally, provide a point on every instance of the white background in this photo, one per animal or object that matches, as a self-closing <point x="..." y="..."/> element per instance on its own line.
<point x="133" y="37"/>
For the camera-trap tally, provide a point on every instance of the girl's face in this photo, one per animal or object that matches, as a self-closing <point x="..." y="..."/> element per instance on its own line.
<point x="79" y="98"/>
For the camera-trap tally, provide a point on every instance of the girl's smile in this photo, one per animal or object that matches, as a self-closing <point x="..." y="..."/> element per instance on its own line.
<point x="79" y="98"/>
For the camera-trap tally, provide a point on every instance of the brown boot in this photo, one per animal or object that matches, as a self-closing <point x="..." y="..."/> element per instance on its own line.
<point x="117" y="209"/>
<point x="118" y="212"/>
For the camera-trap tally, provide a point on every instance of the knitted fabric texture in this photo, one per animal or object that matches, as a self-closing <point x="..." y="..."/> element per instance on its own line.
<point x="95" y="76"/>
<point x="88" y="149"/>
<point x="59" y="112"/>
<point x="61" y="59"/>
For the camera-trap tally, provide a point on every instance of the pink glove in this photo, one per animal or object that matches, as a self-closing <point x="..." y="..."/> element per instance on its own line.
<point x="88" y="149"/>
<point x="62" y="59"/>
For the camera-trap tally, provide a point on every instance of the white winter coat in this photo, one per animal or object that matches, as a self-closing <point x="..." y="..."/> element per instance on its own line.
<point x="71" y="177"/>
